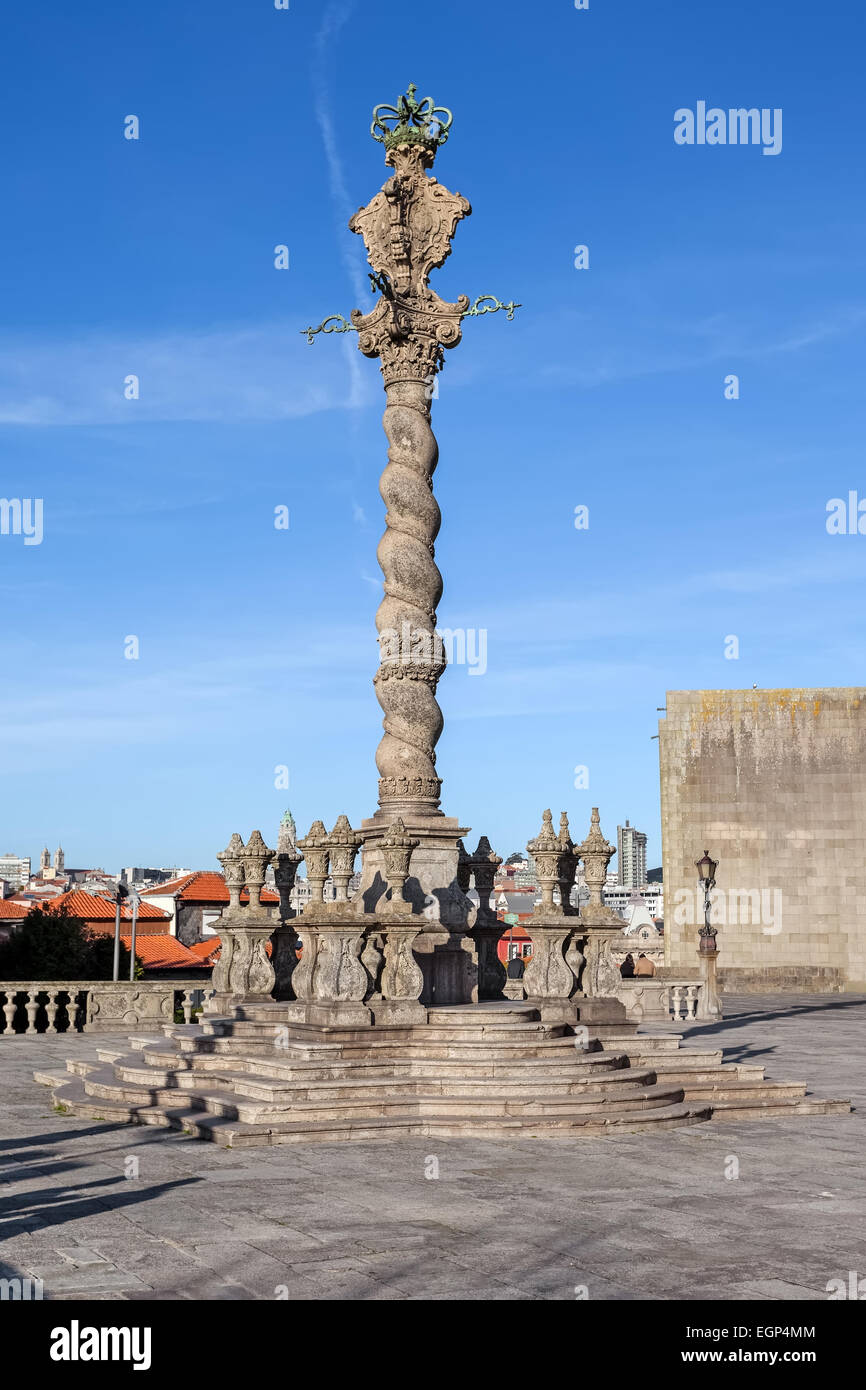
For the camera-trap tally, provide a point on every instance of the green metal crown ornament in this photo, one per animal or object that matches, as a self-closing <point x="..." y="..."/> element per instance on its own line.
<point x="411" y="122"/>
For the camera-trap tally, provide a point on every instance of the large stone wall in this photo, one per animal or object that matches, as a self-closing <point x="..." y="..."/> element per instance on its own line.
<point x="773" y="784"/>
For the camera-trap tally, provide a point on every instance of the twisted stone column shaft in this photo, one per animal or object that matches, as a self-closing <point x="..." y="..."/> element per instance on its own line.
<point x="411" y="655"/>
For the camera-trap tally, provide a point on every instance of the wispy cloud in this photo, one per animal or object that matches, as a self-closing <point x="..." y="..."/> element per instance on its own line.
<point x="265" y="372"/>
<point x="336" y="15"/>
<point x="658" y="346"/>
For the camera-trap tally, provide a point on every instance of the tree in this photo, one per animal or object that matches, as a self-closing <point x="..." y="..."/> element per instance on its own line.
<point x="516" y="858"/>
<point x="58" y="946"/>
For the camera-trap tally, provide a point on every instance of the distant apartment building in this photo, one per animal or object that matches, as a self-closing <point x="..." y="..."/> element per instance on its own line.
<point x="630" y="856"/>
<point x="650" y="896"/>
<point x="139" y="877"/>
<point x="15" y="868"/>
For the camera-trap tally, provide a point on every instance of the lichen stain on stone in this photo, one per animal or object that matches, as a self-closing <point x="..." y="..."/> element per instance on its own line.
<point x="767" y="730"/>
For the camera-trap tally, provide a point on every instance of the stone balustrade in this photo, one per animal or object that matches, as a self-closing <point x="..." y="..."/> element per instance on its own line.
<point x="95" y="1006"/>
<point x="660" y="999"/>
<point x="683" y="1000"/>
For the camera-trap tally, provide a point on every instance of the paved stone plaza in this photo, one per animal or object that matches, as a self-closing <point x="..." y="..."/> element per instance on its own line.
<point x="645" y="1216"/>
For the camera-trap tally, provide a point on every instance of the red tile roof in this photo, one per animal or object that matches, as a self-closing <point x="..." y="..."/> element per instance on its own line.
<point x="92" y="908"/>
<point x="204" y="886"/>
<point x="208" y="951"/>
<point x="162" y="952"/>
<point x="16" y="911"/>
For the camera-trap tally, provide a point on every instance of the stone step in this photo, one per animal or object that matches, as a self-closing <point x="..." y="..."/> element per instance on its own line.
<point x="157" y="1066"/>
<point x="513" y="1033"/>
<point x="447" y="1015"/>
<point x="675" y="1061"/>
<point x="722" y="1091"/>
<point x="648" y="1042"/>
<point x="738" y="1109"/>
<point x="380" y="1050"/>
<point x="457" y="1014"/>
<point x="499" y="1127"/>
<point x="269" y="1101"/>
<point x="454" y="1107"/>
<point x="470" y="1071"/>
<point x="282" y="1059"/>
<point x="56" y="1077"/>
<point x="236" y="1133"/>
<point x="150" y="1087"/>
<point x="286" y="1088"/>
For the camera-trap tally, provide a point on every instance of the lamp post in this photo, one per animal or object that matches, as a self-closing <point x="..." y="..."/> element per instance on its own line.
<point x="120" y="895"/>
<point x="709" y="1004"/>
<point x="135" y="900"/>
<point x="706" y="868"/>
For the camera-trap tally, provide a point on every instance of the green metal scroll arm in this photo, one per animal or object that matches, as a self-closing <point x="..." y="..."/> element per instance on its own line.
<point x="489" y="304"/>
<point x="484" y="304"/>
<point x="334" y="323"/>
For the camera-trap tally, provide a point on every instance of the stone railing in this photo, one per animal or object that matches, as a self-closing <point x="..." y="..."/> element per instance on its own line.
<point x="654" y="999"/>
<point x="73" y="1006"/>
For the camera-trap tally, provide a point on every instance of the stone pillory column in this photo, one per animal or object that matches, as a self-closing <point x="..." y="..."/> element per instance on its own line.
<point x="407" y="230"/>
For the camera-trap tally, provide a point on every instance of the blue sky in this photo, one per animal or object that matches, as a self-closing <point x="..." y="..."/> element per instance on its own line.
<point x="155" y="257"/>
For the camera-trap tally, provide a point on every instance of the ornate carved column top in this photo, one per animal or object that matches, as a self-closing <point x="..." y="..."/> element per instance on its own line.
<point x="232" y="860"/>
<point x="547" y="853"/>
<point x="596" y="853"/>
<point x="407" y="229"/>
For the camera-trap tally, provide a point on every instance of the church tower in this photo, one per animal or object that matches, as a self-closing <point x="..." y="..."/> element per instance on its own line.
<point x="59" y="860"/>
<point x="45" y="862"/>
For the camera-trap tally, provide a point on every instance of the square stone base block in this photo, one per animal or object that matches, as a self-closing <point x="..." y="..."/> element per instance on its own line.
<point x="398" y="1011"/>
<point x="554" y="1010"/>
<point x="602" y="1010"/>
<point x="335" y="1014"/>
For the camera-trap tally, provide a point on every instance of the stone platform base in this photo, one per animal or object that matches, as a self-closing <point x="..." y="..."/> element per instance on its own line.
<point x="489" y="1070"/>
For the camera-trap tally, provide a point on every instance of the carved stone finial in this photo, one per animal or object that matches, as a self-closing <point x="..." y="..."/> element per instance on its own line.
<point x="344" y="844"/>
<point x="397" y="846"/>
<point x="257" y="857"/>
<point x="596" y="853"/>
<point x="317" y="855"/>
<point x="567" y="864"/>
<point x="484" y="865"/>
<point x="232" y="860"/>
<point x="545" y="850"/>
<point x="464" y="867"/>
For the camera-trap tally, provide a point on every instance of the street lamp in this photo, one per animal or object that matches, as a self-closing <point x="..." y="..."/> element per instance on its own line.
<point x="706" y="868"/>
<point x="135" y="900"/>
<point x="120" y="895"/>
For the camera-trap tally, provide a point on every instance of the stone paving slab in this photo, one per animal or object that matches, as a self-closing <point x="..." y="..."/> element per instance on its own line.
<point x="642" y="1216"/>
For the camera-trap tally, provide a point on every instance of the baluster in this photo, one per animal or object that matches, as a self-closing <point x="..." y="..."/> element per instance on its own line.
<point x="676" y="997"/>
<point x="187" y="1005"/>
<point x="9" y="1009"/>
<point x="693" y="1000"/>
<point x="31" y="1006"/>
<point x="51" y="1009"/>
